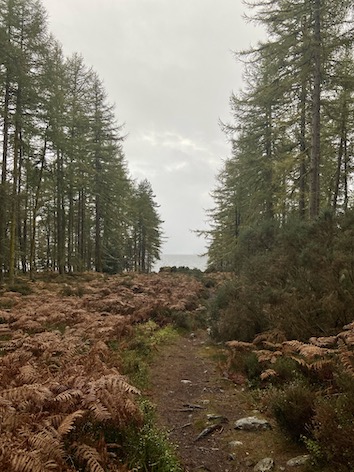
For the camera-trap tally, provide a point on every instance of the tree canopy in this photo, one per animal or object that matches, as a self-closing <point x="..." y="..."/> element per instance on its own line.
<point x="291" y="130"/>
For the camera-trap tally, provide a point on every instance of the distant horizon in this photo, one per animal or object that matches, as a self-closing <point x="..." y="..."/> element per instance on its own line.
<point x="182" y="260"/>
<point x="182" y="254"/>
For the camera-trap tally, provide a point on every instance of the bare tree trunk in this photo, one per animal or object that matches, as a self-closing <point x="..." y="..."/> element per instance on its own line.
<point x="36" y="208"/>
<point x="341" y="152"/>
<point x="303" y="151"/>
<point x="14" y="201"/>
<point x="81" y="231"/>
<point x="60" y="215"/>
<point x="346" y="172"/>
<point x="3" y="198"/>
<point x="98" y="218"/>
<point x="269" y="166"/>
<point x="22" y="210"/>
<point x="70" y="228"/>
<point x="316" y="115"/>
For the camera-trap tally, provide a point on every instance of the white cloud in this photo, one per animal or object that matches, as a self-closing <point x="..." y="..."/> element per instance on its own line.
<point x="173" y="140"/>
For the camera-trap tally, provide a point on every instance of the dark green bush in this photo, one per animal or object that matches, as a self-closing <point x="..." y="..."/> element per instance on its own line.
<point x="21" y="286"/>
<point x="236" y="315"/>
<point x="287" y="370"/>
<point x="293" y="408"/>
<point x="333" y="431"/>
<point x="147" y="449"/>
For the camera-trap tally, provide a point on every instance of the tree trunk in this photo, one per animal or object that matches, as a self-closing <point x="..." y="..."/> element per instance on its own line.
<point x="341" y="152"/>
<point x="316" y="115"/>
<point x="98" y="217"/>
<point x="14" y="201"/>
<point x="70" y="228"/>
<point x="303" y="151"/>
<point x="3" y="198"/>
<point x="269" y="166"/>
<point x="36" y="208"/>
<point x="60" y="215"/>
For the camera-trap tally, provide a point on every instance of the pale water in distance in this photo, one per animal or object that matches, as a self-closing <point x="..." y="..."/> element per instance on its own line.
<point x="193" y="261"/>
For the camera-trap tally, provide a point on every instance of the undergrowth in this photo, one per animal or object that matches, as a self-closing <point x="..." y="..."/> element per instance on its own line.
<point x="140" y="349"/>
<point x="75" y="362"/>
<point x="148" y="448"/>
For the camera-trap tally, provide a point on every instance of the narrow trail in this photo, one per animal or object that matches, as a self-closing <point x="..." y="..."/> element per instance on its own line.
<point x="187" y="387"/>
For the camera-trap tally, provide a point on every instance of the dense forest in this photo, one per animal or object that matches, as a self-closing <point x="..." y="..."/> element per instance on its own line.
<point x="283" y="213"/>
<point x="67" y="201"/>
<point x="282" y="224"/>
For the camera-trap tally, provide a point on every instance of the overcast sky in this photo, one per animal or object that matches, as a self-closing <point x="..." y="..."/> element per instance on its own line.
<point x="168" y="67"/>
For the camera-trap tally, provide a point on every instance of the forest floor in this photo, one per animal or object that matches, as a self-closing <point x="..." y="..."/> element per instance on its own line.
<point x="187" y="385"/>
<point x="60" y="338"/>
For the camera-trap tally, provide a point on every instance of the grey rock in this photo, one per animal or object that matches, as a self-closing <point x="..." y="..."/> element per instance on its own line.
<point x="264" y="465"/>
<point x="235" y="443"/>
<point x="299" y="460"/>
<point x="252" y="423"/>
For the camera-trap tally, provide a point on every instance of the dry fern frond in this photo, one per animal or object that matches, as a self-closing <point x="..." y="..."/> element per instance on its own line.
<point x="320" y="364"/>
<point x="274" y="346"/>
<point x="99" y="411"/>
<point x="239" y="345"/>
<point x="324" y="341"/>
<point x="349" y="326"/>
<point x="5" y="329"/>
<point x="267" y="356"/>
<point x="300" y="361"/>
<point x="310" y="351"/>
<point x="28" y="374"/>
<point x="291" y="346"/>
<point x="347" y="358"/>
<point x="268" y="374"/>
<point x="68" y="423"/>
<point x="274" y="336"/>
<point x="347" y="337"/>
<point x="55" y="420"/>
<point x="91" y="456"/>
<point x="263" y="355"/>
<point x="48" y="442"/>
<point x="116" y="382"/>
<point x="24" y="461"/>
<point x="36" y="393"/>
<point x="70" y="396"/>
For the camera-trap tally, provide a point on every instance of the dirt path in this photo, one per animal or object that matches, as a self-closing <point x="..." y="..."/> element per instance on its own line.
<point x="185" y="376"/>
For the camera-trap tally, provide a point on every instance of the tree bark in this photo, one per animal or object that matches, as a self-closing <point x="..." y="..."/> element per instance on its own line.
<point x="36" y="208"/>
<point x="316" y="115"/>
<point x="303" y="150"/>
<point x="60" y="214"/>
<point x="3" y="198"/>
<point x="14" y="201"/>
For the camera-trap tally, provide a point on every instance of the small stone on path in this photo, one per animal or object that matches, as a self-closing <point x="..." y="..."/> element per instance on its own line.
<point x="235" y="443"/>
<point x="252" y="423"/>
<point x="299" y="460"/>
<point x="264" y="465"/>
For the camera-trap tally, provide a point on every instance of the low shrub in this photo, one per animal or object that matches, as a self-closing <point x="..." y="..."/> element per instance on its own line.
<point x="293" y="408"/>
<point x="287" y="370"/>
<point x="72" y="291"/>
<point x="333" y="432"/>
<point x="147" y="448"/>
<point x="21" y="286"/>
